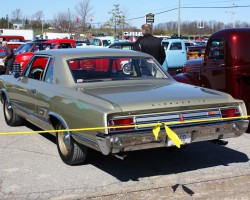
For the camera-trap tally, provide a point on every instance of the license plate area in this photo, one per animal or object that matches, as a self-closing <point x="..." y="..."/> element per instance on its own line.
<point x="184" y="137"/>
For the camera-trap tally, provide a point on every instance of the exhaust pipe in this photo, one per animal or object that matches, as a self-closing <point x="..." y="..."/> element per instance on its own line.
<point x="220" y="142"/>
<point x="120" y="156"/>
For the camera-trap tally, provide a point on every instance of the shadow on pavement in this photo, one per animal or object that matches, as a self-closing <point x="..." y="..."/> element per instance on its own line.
<point x="161" y="161"/>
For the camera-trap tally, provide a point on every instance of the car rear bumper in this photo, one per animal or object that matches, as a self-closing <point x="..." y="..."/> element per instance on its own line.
<point x="122" y="142"/>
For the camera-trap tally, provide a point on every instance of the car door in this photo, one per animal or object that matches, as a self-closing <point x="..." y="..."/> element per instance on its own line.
<point x="213" y="69"/>
<point x="176" y="55"/>
<point x="25" y="90"/>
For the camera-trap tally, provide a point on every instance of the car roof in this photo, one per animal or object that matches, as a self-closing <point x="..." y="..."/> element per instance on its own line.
<point x="58" y="41"/>
<point x="91" y="52"/>
<point x="122" y="43"/>
<point x="173" y="40"/>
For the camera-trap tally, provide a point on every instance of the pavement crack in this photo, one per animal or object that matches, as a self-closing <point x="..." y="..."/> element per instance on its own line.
<point x="13" y="143"/>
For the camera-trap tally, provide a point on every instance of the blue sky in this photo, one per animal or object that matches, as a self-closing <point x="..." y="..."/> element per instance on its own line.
<point x="136" y="9"/>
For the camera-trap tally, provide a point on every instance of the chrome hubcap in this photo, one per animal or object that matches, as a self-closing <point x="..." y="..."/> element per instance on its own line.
<point x="7" y="111"/>
<point x="64" y="141"/>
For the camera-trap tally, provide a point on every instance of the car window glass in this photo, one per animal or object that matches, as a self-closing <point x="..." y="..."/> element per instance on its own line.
<point x="176" y="46"/>
<point x="165" y="44"/>
<point x="109" y="69"/>
<point x="127" y="47"/>
<point x="49" y="76"/>
<point x="65" y="45"/>
<point x="36" y="67"/>
<point x="216" y="50"/>
<point x="26" y="48"/>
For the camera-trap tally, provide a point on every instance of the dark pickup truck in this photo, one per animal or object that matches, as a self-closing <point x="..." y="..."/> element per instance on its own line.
<point x="225" y="66"/>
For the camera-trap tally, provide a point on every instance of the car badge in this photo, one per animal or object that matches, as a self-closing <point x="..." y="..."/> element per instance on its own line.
<point x="181" y="118"/>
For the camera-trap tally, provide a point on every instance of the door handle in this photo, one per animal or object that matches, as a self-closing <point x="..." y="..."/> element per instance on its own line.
<point x="33" y="91"/>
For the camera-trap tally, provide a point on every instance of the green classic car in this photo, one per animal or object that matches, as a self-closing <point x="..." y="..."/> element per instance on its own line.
<point x="112" y="101"/>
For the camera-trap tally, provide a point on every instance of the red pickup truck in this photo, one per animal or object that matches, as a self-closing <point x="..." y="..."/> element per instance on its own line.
<point x="225" y="66"/>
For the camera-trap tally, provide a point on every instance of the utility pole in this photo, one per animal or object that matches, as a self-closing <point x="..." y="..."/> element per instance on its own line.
<point x="200" y="26"/>
<point x="123" y="19"/>
<point x="69" y="22"/>
<point x="233" y="17"/>
<point x="7" y="16"/>
<point x="42" y="26"/>
<point x="179" y="19"/>
<point x="233" y="14"/>
<point x="116" y="6"/>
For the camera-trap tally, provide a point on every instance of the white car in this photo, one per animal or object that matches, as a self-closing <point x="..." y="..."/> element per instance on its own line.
<point x="102" y="41"/>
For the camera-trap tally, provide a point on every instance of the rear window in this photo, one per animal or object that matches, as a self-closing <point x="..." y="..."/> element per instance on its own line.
<point x="109" y="69"/>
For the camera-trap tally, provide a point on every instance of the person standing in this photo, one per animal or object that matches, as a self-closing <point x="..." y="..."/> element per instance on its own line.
<point x="150" y="44"/>
<point x="9" y="57"/>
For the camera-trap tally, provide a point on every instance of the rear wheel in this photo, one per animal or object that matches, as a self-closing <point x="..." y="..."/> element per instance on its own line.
<point x="11" y="118"/>
<point x="70" y="151"/>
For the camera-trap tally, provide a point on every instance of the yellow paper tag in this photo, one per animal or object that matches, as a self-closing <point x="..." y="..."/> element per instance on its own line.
<point x="156" y="130"/>
<point x="172" y="135"/>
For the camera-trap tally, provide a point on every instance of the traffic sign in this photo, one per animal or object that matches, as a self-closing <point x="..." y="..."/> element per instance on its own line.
<point x="150" y="18"/>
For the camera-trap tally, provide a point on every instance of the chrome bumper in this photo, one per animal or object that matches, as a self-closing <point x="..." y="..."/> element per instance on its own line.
<point x="122" y="142"/>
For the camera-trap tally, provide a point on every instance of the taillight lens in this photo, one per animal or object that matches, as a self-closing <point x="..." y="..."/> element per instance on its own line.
<point x="184" y="68"/>
<point x="118" y="123"/>
<point x="230" y="112"/>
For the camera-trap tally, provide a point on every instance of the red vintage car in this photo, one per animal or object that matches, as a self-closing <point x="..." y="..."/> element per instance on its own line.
<point x="23" y="56"/>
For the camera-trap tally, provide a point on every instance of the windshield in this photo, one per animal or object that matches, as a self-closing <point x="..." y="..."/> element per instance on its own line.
<point x="18" y="49"/>
<point x="107" y="69"/>
<point x="99" y="42"/>
<point x="26" y="48"/>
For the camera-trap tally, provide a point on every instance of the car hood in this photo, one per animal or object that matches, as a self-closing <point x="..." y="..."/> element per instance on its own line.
<point x="157" y="96"/>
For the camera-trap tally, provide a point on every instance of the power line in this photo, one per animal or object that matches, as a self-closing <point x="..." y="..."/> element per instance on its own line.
<point x="195" y="7"/>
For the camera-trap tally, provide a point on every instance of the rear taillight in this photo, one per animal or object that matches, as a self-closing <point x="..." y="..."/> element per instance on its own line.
<point x="118" y="124"/>
<point x="184" y="68"/>
<point x="230" y="112"/>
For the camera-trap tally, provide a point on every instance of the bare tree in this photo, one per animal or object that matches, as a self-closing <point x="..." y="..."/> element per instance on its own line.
<point x="83" y="9"/>
<point x="16" y="14"/>
<point x="61" y="21"/>
<point x="117" y="18"/>
<point x="38" y="16"/>
<point x="37" y="19"/>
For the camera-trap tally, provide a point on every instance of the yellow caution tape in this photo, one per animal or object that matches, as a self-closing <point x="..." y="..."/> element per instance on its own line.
<point x="172" y="135"/>
<point x="156" y="130"/>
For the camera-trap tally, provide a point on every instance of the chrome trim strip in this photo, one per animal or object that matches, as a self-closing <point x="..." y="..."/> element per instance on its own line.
<point x="59" y="118"/>
<point x="85" y="139"/>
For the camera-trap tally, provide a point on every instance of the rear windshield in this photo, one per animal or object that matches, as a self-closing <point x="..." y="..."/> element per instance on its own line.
<point x="106" y="69"/>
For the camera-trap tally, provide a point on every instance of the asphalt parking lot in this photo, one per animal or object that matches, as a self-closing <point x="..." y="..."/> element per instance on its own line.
<point x="30" y="168"/>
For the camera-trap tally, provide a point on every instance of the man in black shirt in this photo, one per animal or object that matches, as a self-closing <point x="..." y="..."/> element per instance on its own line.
<point x="150" y="44"/>
<point x="9" y="57"/>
